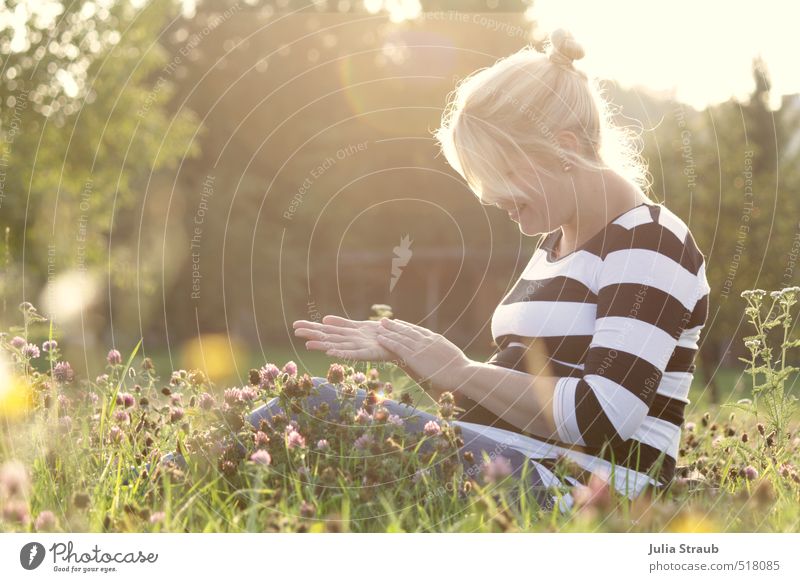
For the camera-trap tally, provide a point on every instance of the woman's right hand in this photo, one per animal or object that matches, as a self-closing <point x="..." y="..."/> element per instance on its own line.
<point x="340" y="337"/>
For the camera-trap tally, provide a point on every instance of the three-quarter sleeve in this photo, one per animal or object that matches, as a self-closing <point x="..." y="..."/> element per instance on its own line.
<point x="645" y="298"/>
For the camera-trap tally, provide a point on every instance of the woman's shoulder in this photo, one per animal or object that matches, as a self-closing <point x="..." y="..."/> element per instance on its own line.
<point x="655" y="228"/>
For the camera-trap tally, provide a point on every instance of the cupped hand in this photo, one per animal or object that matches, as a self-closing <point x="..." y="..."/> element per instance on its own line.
<point x="340" y="337"/>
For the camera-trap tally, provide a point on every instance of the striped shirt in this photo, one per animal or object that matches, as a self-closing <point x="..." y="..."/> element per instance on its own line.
<point x="618" y="321"/>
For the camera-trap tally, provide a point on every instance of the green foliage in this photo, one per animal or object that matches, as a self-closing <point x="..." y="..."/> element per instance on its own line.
<point x="780" y="405"/>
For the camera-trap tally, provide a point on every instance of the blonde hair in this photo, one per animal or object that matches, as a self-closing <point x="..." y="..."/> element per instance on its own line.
<point x="519" y="104"/>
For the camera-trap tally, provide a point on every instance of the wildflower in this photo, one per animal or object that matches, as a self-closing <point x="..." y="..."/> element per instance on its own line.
<point x="261" y="457"/>
<point x="45" y="521"/>
<point x="261" y="440"/>
<point x="359" y="378"/>
<point x="596" y="493"/>
<point x="290" y="368"/>
<point x="750" y="473"/>
<point x="49" y="345"/>
<point x="14" y="479"/>
<point x="114" y="357"/>
<point x="706" y="418"/>
<point x="363" y="442"/>
<point x="771" y="439"/>
<point x="248" y="394"/>
<point x="307" y="509"/>
<point x="18" y="342"/>
<point x="121" y="416"/>
<point x="16" y="511"/>
<point x="30" y="351"/>
<point x="432" y="428"/>
<point x="395" y="420"/>
<point x="335" y="374"/>
<point x="362" y="417"/>
<point x="115" y="434"/>
<point x="761" y="429"/>
<point x="323" y="445"/>
<point x="381" y="414"/>
<point x="744" y="437"/>
<point x="497" y="469"/>
<point x="157" y="517"/>
<point x="294" y="440"/>
<point x="690" y="426"/>
<point x="268" y="373"/>
<point x="101" y="379"/>
<point x="176" y="414"/>
<point x="125" y="399"/>
<point x="62" y="372"/>
<point x="232" y="396"/>
<point x="206" y="401"/>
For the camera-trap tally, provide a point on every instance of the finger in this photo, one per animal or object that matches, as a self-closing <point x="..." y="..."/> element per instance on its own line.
<point x="399" y="348"/>
<point x="340" y="321"/>
<point x="403" y="327"/>
<point x="328" y="345"/>
<point x="358" y="354"/>
<point x="328" y="329"/>
<point x="423" y="330"/>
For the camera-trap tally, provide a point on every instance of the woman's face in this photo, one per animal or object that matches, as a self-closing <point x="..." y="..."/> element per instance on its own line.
<point x="545" y="206"/>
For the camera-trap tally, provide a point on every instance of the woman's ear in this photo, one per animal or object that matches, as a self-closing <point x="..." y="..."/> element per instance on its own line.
<point x="567" y="140"/>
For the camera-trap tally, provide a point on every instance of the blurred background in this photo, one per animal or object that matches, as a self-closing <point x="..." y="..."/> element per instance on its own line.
<point x="200" y="174"/>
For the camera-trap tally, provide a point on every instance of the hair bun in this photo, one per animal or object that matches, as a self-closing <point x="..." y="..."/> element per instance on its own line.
<point x="564" y="48"/>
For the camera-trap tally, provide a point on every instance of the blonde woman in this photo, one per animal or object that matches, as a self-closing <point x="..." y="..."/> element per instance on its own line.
<point x="597" y="339"/>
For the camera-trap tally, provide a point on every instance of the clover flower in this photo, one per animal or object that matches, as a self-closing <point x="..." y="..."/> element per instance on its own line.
<point x="323" y="445"/>
<point x="363" y="442"/>
<point x="30" y="351"/>
<point x="290" y="368"/>
<point x="125" y="399"/>
<point x="362" y="417"/>
<point x="114" y="357"/>
<point x="497" y="469"/>
<point x="62" y="372"/>
<point x="359" y="378"/>
<point x="176" y="414"/>
<point x="115" y="434"/>
<point x="18" y="342"/>
<point x="206" y="401"/>
<point x="16" y="511"/>
<point x="335" y="374"/>
<point x="49" y="345"/>
<point x="750" y="473"/>
<point x="45" y="521"/>
<point x="395" y="420"/>
<point x="261" y="457"/>
<point x="268" y="373"/>
<point x="261" y="440"/>
<point x="432" y="428"/>
<point x="294" y="440"/>
<point x="14" y="479"/>
<point x="595" y="494"/>
<point x="121" y="416"/>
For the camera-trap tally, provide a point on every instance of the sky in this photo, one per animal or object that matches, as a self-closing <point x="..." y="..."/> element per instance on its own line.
<point x="701" y="51"/>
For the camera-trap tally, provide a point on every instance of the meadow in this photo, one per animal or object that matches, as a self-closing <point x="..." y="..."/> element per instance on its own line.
<point x="84" y="455"/>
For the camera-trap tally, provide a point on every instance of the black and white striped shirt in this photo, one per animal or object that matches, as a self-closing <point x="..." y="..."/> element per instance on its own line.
<point x="619" y="322"/>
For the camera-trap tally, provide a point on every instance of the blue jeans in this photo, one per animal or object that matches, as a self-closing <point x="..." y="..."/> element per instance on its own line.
<point x="475" y="441"/>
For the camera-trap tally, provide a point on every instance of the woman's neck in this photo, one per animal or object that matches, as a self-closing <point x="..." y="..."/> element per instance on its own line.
<point x="597" y="208"/>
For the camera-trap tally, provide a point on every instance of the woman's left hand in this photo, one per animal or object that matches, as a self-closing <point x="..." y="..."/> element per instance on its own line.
<point x="430" y="356"/>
